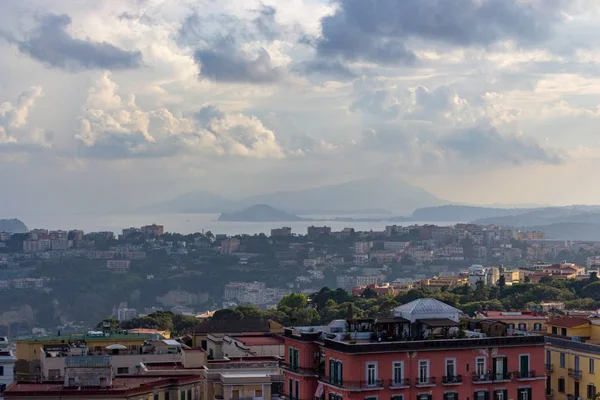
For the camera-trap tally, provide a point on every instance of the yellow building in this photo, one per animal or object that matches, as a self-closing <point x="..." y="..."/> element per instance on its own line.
<point x="28" y="350"/>
<point x="526" y="321"/>
<point x="572" y="356"/>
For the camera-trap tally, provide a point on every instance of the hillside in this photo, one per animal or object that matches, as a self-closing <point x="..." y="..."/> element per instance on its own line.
<point x="13" y="225"/>
<point x="369" y="196"/>
<point x="259" y="213"/>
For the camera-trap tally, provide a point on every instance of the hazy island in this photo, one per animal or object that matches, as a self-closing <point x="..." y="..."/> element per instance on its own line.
<point x="260" y="213"/>
<point x="13" y="225"/>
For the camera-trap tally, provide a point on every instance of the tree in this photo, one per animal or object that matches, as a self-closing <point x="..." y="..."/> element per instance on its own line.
<point x="593" y="277"/>
<point x="227" y="314"/>
<point x="527" y="279"/>
<point x="368" y="293"/>
<point x="501" y="283"/>
<point x="108" y="324"/>
<point x="294" y="301"/>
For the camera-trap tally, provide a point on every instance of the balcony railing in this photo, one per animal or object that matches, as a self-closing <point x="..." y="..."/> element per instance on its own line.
<point x="575" y="373"/>
<point x="549" y="393"/>
<point x="525" y="374"/>
<point x="355" y="385"/>
<point x="425" y="381"/>
<point x="452" y="379"/>
<point x="498" y="377"/>
<point x="549" y="367"/>
<point x="399" y="383"/>
<point x="297" y="369"/>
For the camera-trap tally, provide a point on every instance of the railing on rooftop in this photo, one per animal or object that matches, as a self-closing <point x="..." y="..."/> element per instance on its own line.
<point x="438" y="344"/>
<point x="452" y="379"/>
<point x="571" y="344"/>
<point x="297" y="369"/>
<point x="575" y="373"/>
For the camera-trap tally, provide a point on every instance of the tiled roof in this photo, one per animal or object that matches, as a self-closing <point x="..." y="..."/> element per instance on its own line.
<point x="569" y="322"/>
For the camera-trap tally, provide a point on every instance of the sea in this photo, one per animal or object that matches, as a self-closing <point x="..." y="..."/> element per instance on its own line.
<point x="186" y="223"/>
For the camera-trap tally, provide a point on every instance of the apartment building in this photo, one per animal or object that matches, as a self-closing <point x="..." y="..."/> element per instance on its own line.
<point x="418" y="352"/>
<point x="572" y="356"/>
<point x="153" y="230"/>
<point x="7" y="365"/>
<point x="118" y="265"/>
<point x="526" y="321"/>
<point x="281" y="232"/>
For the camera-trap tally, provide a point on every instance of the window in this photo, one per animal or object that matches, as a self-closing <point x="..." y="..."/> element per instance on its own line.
<point x="480" y="366"/>
<point x="122" y="370"/>
<point x="296" y="358"/>
<point x="591" y="366"/>
<point x="371" y="398"/>
<point x="481" y="395"/>
<point x="450" y="367"/>
<point x="591" y="391"/>
<point x="293" y="355"/>
<point x="257" y="393"/>
<point x="548" y="357"/>
<point x="397" y="397"/>
<point x="524" y="364"/>
<point x="167" y="394"/>
<point x="537" y="326"/>
<point x="561" y="385"/>
<point x="563" y="331"/>
<point x="511" y="326"/>
<point x="156" y="396"/>
<point x="339" y="372"/>
<point x="524" y="394"/>
<point x="500" y="368"/>
<point x="562" y="360"/>
<point x="522" y="327"/>
<point x="297" y="390"/>
<point x="424" y="396"/>
<point x="554" y="330"/>
<point x="398" y="370"/>
<point x="423" y="371"/>
<point x="371" y="374"/>
<point x="1" y="370"/>
<point x="501" y="394"/>
<point x="291" y="388"/>
<point x="576" y="363"/>
<point x="335" y="371"/>
<point x="235" y="394"/>
<point x="189" y="394"/>
<point x="182" y="395"/>
<point x="450" y="396"/>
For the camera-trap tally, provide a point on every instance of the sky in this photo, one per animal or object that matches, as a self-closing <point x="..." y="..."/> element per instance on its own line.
<point x="109" y="104"/>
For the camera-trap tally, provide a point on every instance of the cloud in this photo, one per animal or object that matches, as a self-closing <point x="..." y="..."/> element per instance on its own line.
<point x="490" y="147"/>
<point x="112" y="130"/>
<point x="238" y="67"/>
<point x="327" y="68"/>
<point x="51" y="44"/>
<point x="381" y="31"/>
<point x="16" y="132"/>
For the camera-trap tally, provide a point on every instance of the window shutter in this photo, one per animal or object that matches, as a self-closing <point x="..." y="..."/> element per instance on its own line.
<point x="529" y="394"/>
<point x="505" y="394"/>
<point x="429" y="397"/>
<point x="340" y="372"/>
<point x="331" y="371"/>
<point x="296" y="358"/>
<point x="486" y="395"/>
<point x="291" y="356"/>
<point x="505" y="366"/>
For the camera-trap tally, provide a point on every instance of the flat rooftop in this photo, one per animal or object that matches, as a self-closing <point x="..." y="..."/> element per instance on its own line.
<point x="85" y="337"/>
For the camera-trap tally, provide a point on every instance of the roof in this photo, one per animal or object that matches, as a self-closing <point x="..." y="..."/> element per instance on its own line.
<point x="426" y="306"/>
<point x="84" y="336"/>
<point x="438" y="322"/>
<point x="569" y="322"/>
<point x="121" y="386"/>
<point x="164" y="366"/>
<point x="509" y="315"/>
<point x="259" y="340"/>
<point x="232" y="326"/>
<point x="171" y="342"/>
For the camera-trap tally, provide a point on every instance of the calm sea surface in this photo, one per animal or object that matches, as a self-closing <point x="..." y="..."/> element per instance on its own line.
<point x="190" y="223"/>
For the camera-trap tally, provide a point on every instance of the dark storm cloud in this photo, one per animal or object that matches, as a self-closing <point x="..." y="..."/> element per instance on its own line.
<point x="379" y="30"/>
<point x="487" y="145"/>
<point x="238" y="67"/>
<point x="328" y="68"/>
<point x="50" y="44"/>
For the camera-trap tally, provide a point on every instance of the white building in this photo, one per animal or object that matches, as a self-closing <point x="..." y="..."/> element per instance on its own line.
<point x="126" y="314"/>
<point x="7" y="365"/>
<point x="488" y="275"/>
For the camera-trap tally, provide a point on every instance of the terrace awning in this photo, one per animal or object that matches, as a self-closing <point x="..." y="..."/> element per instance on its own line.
<point x="438" y="322"/>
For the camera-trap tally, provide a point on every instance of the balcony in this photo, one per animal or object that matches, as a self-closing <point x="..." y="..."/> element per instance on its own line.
<point x="452" y="380"/>
<point x="397" y="384"/>
<point x="522" y="375"/>
<point x="549" y="367"/>
<point x="425" y="381"/>
<point x="549" y="393"/>
<point x="298" y="370"/>
<point x="575" y="373"/>
<point x="377" y="384"/>
<point x="487" y="378"/>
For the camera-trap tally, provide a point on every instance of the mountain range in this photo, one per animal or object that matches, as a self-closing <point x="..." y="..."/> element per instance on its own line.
<point x="368" y="196"/>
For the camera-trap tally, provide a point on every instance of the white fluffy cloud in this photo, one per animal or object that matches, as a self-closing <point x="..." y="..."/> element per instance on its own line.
<point x="15" y="127"/>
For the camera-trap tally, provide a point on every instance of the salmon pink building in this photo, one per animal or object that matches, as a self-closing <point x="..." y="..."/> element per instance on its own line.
<point x="420" y="352"/>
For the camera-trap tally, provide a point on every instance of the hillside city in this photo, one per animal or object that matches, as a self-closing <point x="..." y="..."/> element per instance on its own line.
<point x="485" y="310"/>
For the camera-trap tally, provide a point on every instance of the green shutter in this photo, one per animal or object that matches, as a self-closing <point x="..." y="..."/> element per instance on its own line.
<point x="340" y="373"/>
<point x="291" y="388"/>
<point x="529" y="394"/>
<point x="290" y="356"/>
<point x="505" y="394"/>
<point x="331" y="370"/>
<point x="486" y="395"/>
<point x="296" y="358"/>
